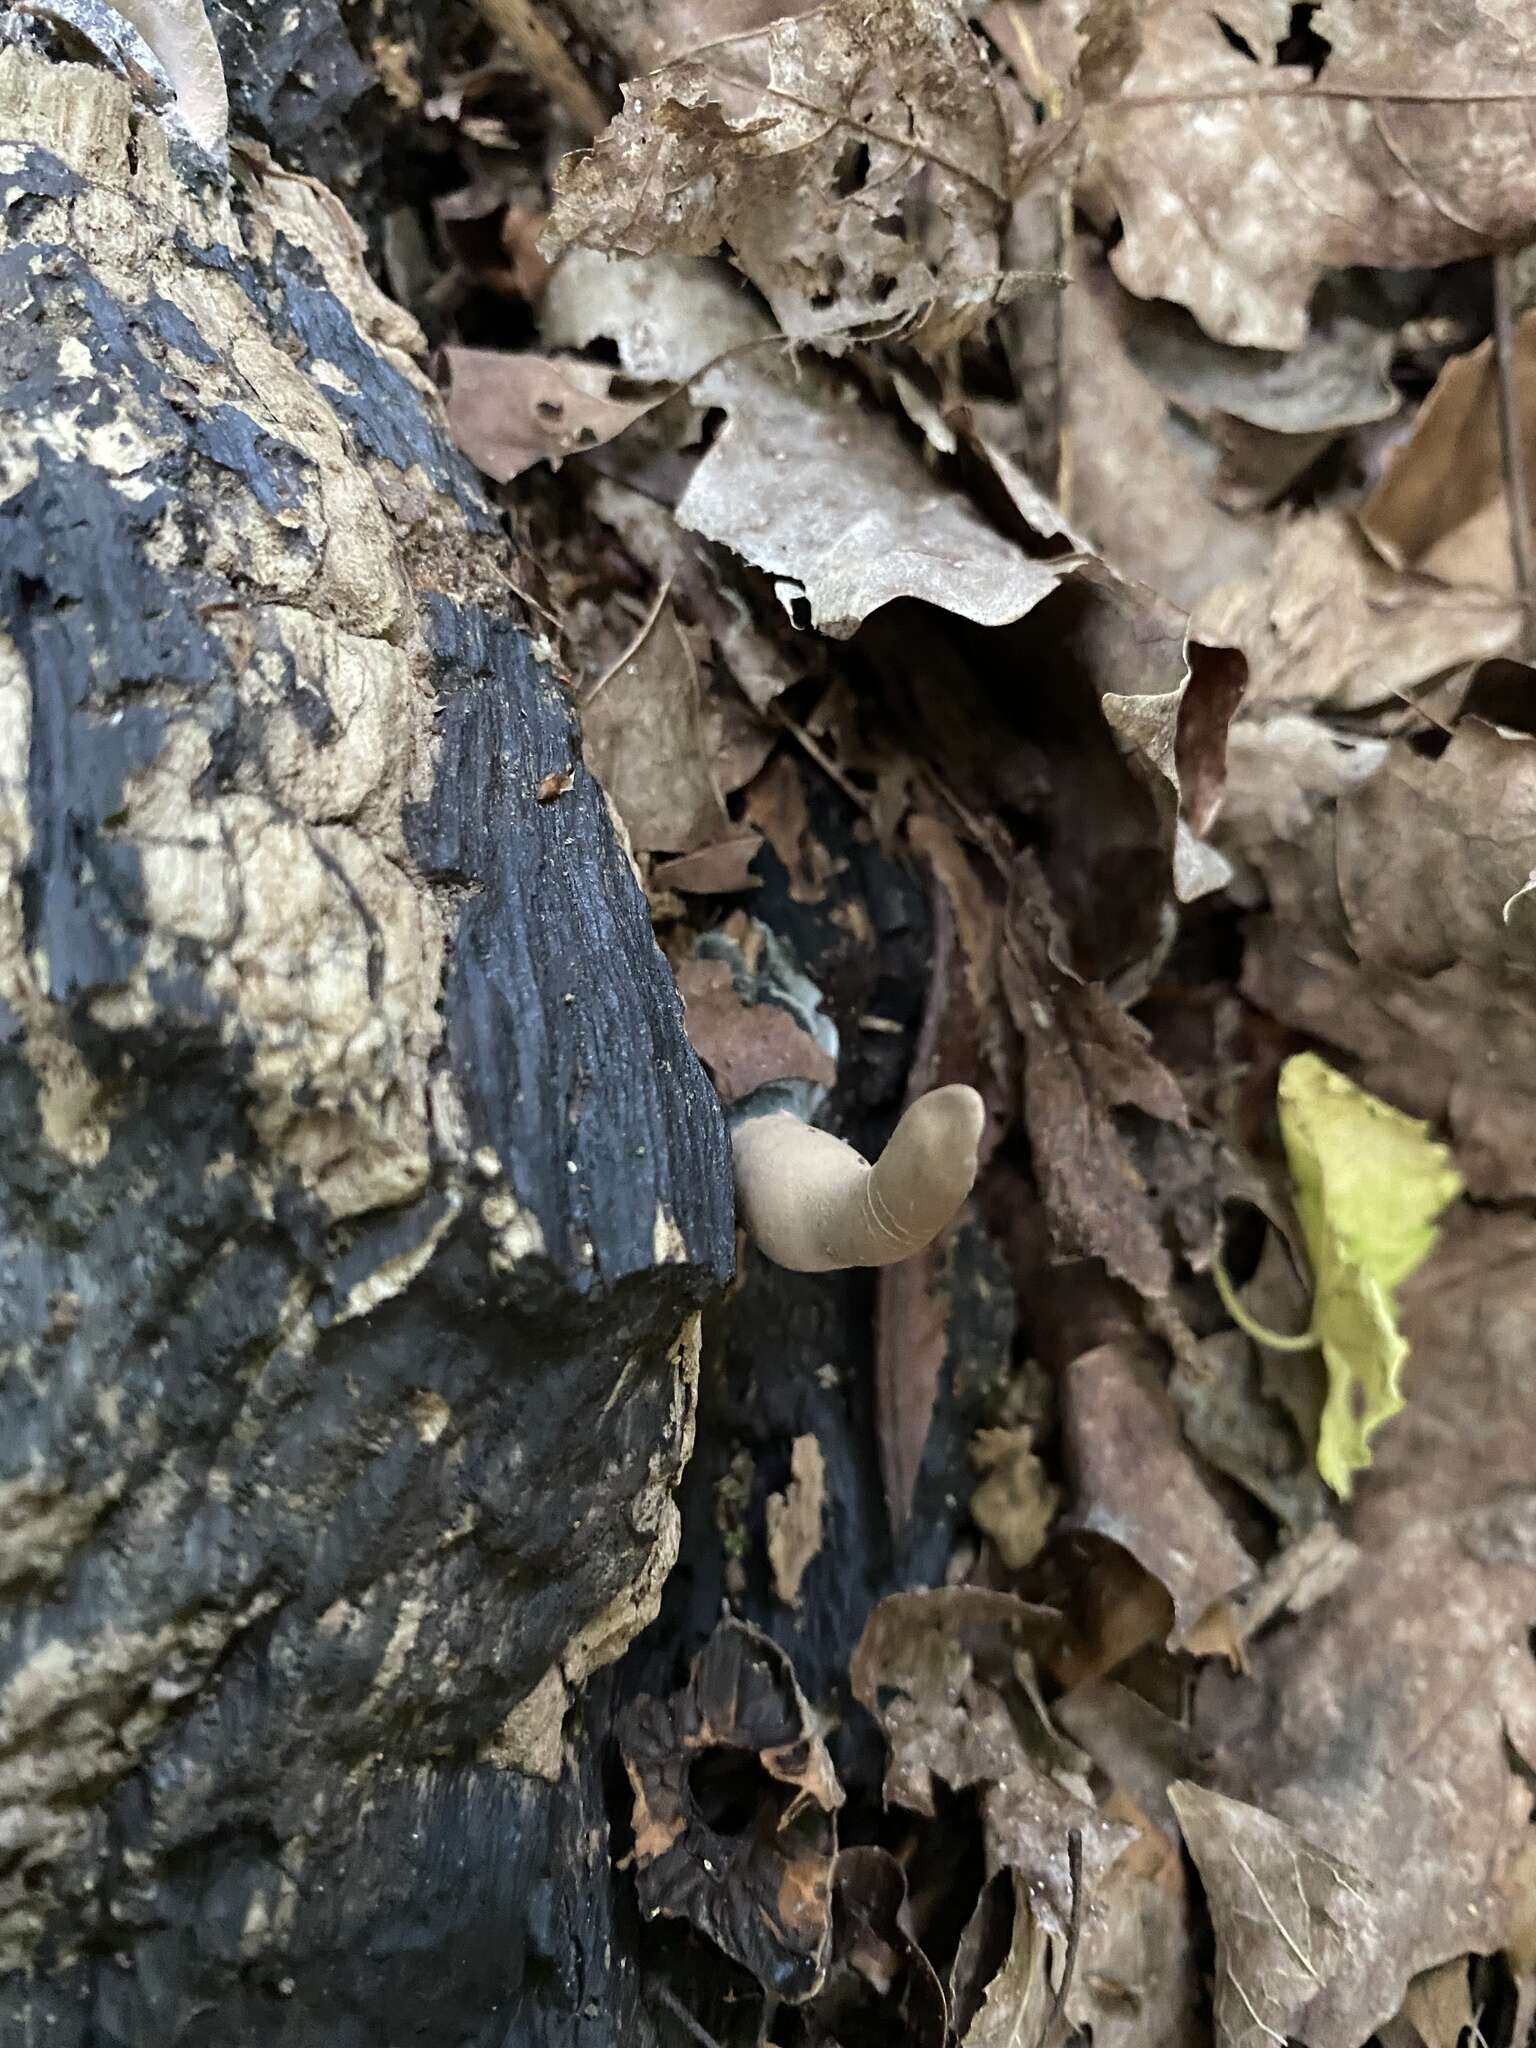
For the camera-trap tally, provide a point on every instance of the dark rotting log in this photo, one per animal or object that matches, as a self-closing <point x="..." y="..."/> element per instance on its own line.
<point x="358" y="1189"/>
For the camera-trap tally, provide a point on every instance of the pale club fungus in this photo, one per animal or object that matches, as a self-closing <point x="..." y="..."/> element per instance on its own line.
<point x="811" y="1202"/>
<point x="179" y="33"/>
<point x="806" y="1199"/>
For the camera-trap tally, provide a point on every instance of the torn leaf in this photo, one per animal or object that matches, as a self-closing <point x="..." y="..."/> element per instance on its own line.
<point x="1370" y="1183"/>
<point x="804" y="481"/>
<point x="947" y="1675"/>
<point x="1240" y="181"/>
<point x="508" y="411"/>
<point x="858" y="161"/>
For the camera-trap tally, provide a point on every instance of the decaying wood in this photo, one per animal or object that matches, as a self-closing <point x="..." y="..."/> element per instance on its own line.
<point x="358" y="1189"/>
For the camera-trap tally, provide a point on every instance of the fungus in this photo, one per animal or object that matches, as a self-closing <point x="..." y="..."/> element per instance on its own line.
<point x="806" y="1199"/>
<point x="812" y="1203"/>
<point x="179" y="33"/>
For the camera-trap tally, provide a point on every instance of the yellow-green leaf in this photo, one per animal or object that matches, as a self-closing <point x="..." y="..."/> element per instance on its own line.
<point x="1369" y="1184"/>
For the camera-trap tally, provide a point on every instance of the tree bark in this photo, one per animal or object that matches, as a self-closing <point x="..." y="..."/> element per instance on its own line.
<point x="360" y="1190"/>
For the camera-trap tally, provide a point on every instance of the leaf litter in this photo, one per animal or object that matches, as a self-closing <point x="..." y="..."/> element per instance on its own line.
<point x="1026" y="492"/>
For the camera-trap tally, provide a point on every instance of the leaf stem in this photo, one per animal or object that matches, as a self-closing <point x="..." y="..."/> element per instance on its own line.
<point x="1276" y="1340"/>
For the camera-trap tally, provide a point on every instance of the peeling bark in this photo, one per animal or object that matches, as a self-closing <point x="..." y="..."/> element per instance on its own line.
<point x="358" y="1189"/>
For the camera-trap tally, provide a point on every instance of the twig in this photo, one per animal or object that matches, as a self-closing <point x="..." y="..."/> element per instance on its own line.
<point x="1511" y="443"/>
<point x="822" y="758"/>
<point x="1058" y="2011"/>
<point x="664" y="1995"/>
<point x="521" y="23"/>
<point x="641" y="636"/>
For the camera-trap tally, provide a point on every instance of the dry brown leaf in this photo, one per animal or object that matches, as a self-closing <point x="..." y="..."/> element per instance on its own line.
<point x="1239" y="181"/>
<point x="1326" y="627"/>
<point x="1017" y="2002"/>
<point x="1283" y="1910"/>
<point x="1441" y="506"/>
<point x="794" y="1519"/>
<point x="858" y="161"/>
<point x="761" y="1891"/>
<point x="1437" y="2010"/>
<point x="879" y="1979"/>
<point x="1387" y="937"/>
<point x="776" y="806"/>
<point x="508" y="412"/>
<point x="1397" y="1764"/>
<point x="1379" y="1722"/>
<point x="644" y="739"/>
<point x="803" y="481"/>
<point x="1135" y="1484"/>
<point x="940" y="1671"/>
<point x="912" y="1303"/>
<point x="745" y="1045"/>
<point x="1136" y="1984"/>
<point x="808" y="485"/>
<point x="1141" y="485"/>
<point x="1082" y="1056"/>
<point x="723" y="869"/>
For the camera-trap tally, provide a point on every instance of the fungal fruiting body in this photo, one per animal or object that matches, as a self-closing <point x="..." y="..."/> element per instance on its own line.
<point x="814" y="1204"/>
<point x="178" y="32"/>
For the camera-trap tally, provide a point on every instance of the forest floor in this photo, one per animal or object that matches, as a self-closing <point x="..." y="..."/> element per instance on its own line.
<point x="1034" y="506"/>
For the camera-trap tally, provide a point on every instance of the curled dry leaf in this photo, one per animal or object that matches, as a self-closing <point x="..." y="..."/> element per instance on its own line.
<point x="858" y="161"/>
<point x="1441" y="507"/>
<point x="940" y="1671"/>
<point x="735" y="1798"/>
<point x="1325" y="626"/>
<point x="1135" y="1484"/>
<point x="1339" y="377"/>
<point x="509" y="411"/>
<point x="1240" y="181"/>
<point x="1016" y="2004"/>
<point x="1082" y="1056"/>
<point x="878" y="1980"/>
<point x="1283" y="1912"/>
<point x="803" y="480"/>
